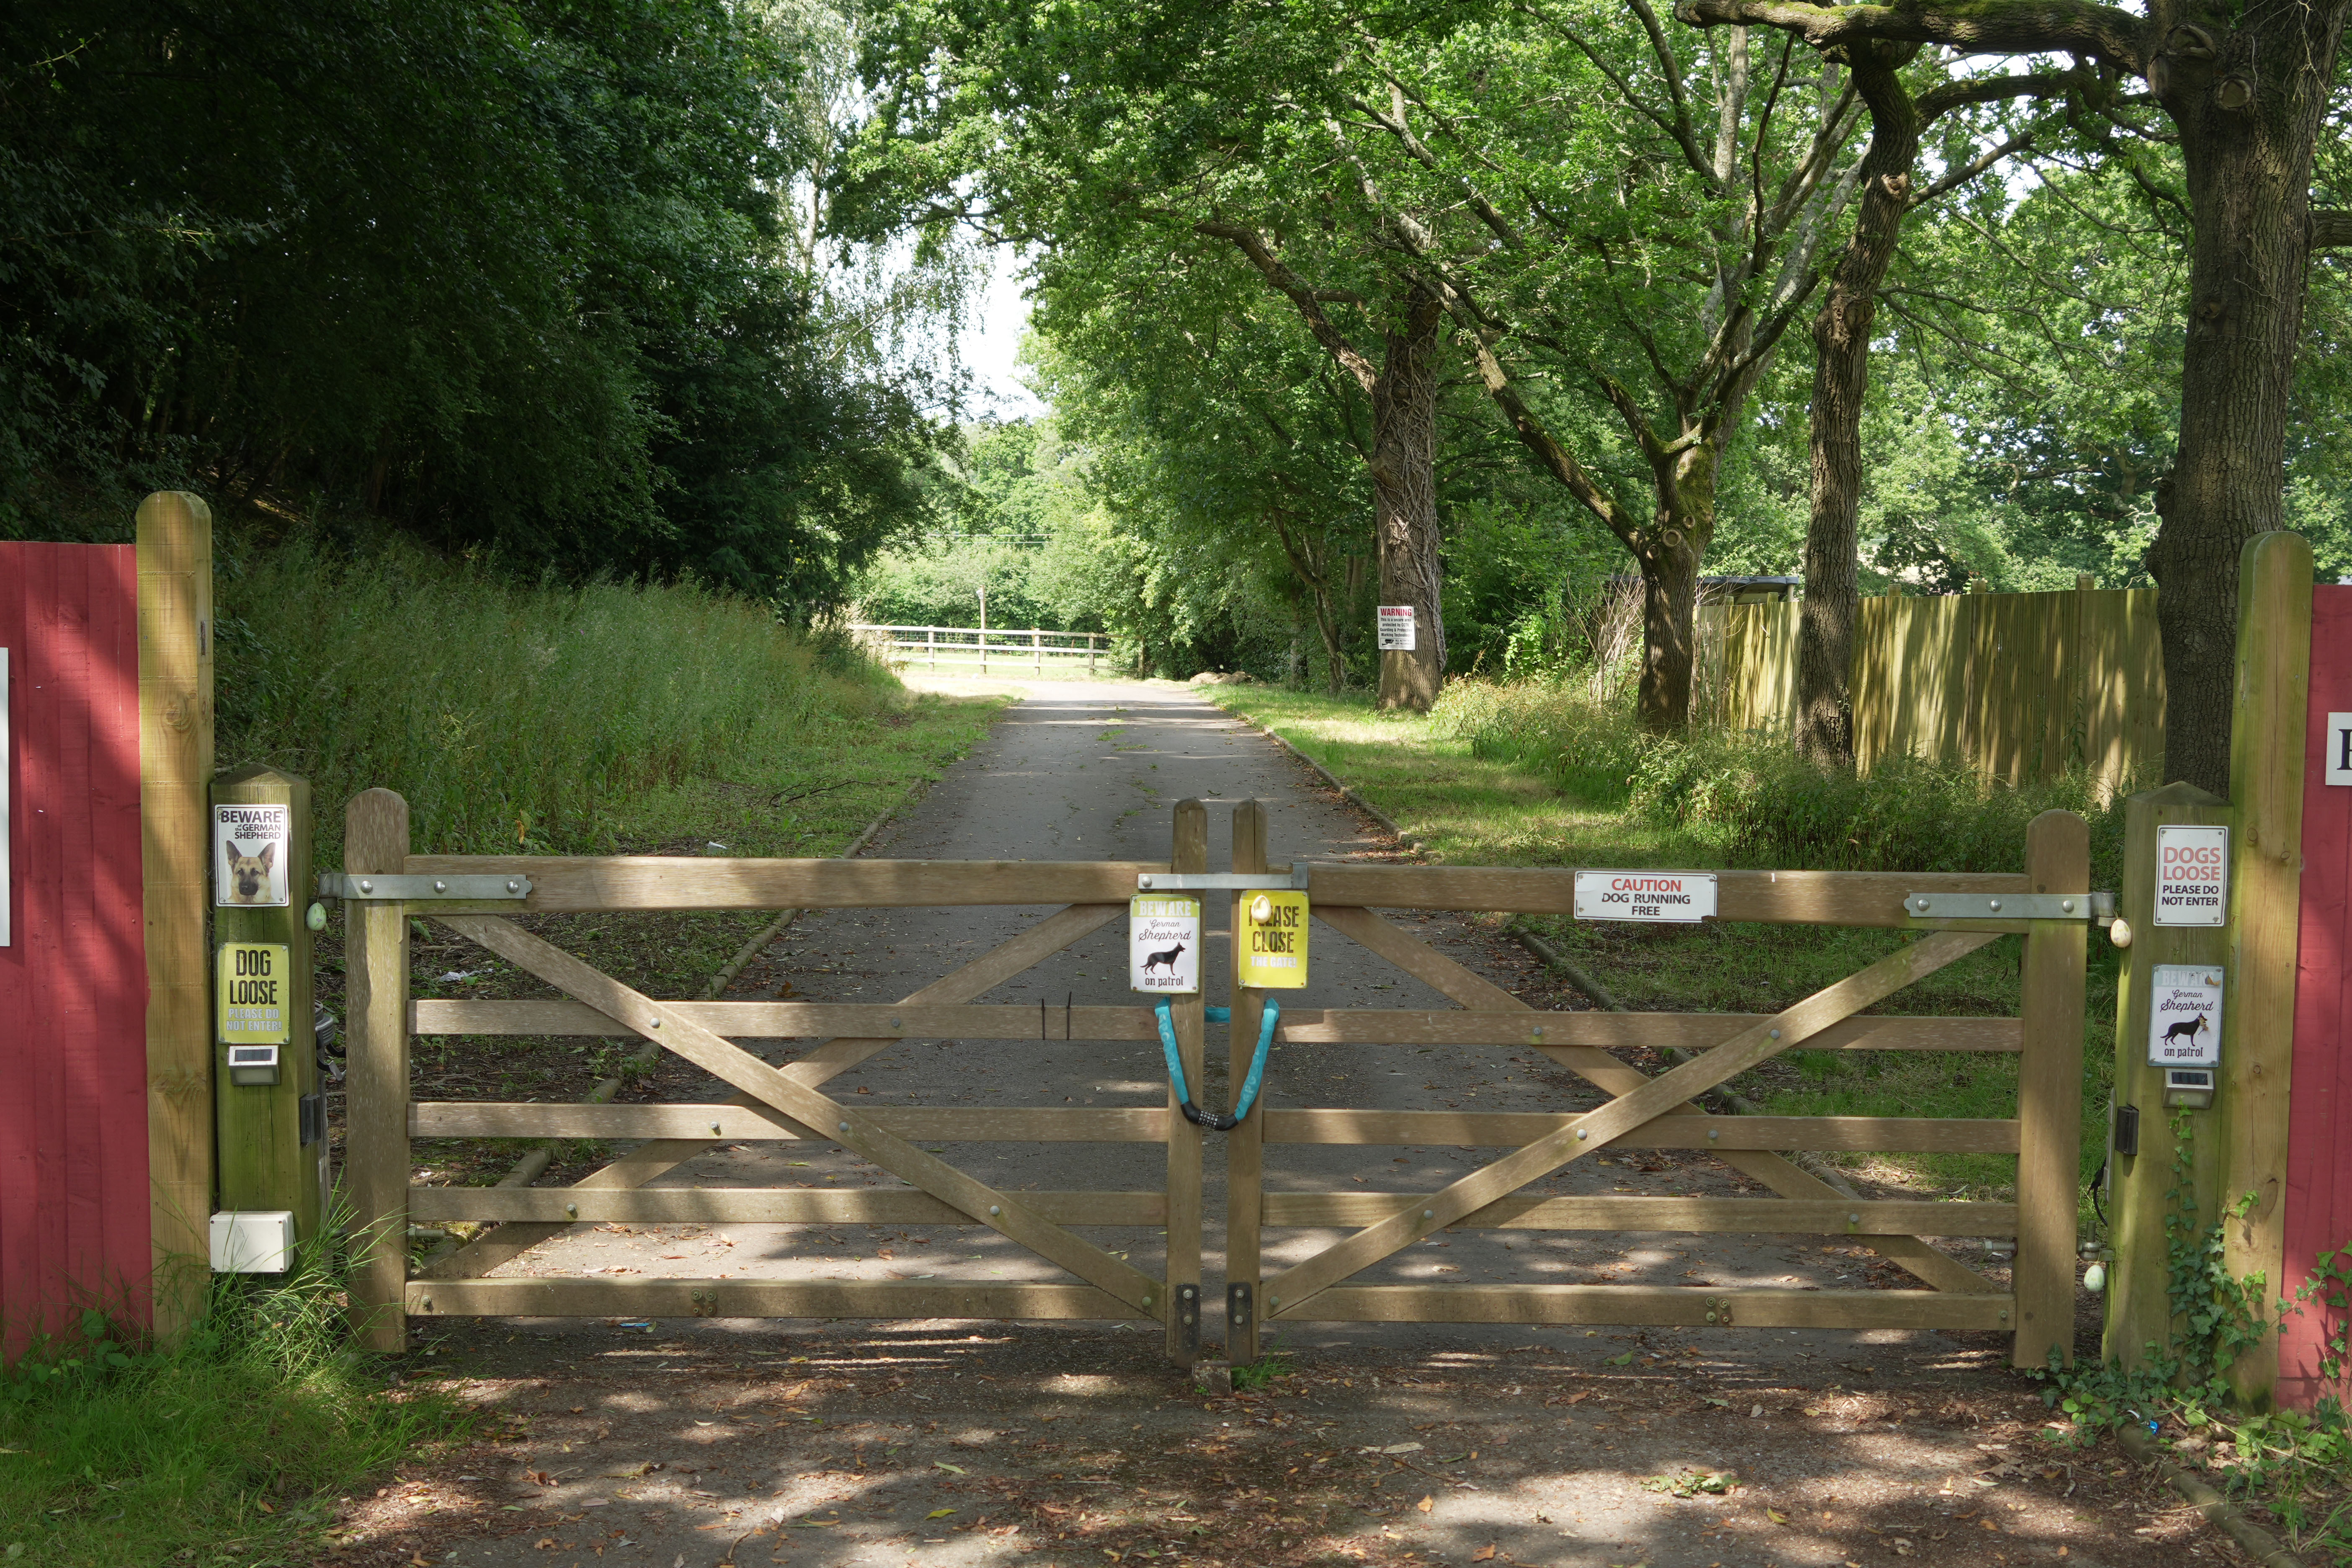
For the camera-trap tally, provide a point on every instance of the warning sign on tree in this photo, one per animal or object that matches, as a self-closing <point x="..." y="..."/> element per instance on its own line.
<point x="1164" y="944"/>
<point x="2184" y="1016"/>
<point x="1645" y="895"/>
<point x="2193" y="876"/>
<point x="1396" y="628"/>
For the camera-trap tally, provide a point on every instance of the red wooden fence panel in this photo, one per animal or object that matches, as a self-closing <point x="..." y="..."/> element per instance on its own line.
<point x="2319" y="1116"/>
<point x="74" y="1203"/>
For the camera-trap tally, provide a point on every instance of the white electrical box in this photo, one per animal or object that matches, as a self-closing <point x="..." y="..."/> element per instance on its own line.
<point x="253" y="1241"/>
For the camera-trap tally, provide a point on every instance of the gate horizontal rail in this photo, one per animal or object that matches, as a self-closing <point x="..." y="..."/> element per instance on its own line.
<point x="582" y="884"/>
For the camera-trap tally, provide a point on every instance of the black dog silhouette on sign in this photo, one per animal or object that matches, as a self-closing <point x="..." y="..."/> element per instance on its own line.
<point x="2186" y="1030"/>
<point x="1167" y="960"/>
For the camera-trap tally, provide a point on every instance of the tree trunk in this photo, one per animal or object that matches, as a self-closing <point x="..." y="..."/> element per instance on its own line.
<point x="2248" y="106"/>
<point x="1404" y="498"/>
<point x="1824" y="719"/>
<point x="1670" y="555"/>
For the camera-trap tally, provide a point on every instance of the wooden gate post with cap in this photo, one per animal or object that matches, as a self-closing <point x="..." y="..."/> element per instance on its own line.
<point x="174" y="563"/>
<point x="273" y="1137"/>
<point x="375" y="1101"/>
<point x="1189" y="851"/>
<point x="2141" y="1187"/>
<point x="2050" y="1095"/>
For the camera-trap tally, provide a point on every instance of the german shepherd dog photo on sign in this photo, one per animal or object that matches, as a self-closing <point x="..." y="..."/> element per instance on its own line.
<point x="251" y="877"/>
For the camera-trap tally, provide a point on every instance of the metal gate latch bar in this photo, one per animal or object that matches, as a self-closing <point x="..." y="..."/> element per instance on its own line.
<point x="1219" y="881"/>
<point x="2099" y="907"/>
<point x="371" y="888"/>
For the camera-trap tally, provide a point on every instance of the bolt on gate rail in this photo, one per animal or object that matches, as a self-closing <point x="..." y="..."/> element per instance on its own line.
<point x="474" y="895"/>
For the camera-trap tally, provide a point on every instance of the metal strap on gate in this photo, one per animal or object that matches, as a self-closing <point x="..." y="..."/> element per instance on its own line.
<point x="1221" y="881"/>
<point x="2099" y="907"/>
<point x="371" y="888"/>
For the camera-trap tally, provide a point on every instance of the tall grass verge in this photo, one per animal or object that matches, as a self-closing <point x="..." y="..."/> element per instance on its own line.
<point x="511" y="716"/>
<point x="1755" y="803"/>
<point x="228" y="1447"/>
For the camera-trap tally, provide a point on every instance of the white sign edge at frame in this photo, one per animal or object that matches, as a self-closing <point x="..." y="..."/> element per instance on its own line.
<point x="2335" y="749"/>
<point x="1689" y="899"/>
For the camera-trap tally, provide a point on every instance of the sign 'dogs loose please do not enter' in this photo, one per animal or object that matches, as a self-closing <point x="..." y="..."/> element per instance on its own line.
<point x="1656" y="896"/>
<point x="2193" y="876"/>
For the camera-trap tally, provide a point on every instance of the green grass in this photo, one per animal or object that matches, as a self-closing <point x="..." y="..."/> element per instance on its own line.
<point x="228" y="1448"/>
<point x="1503" y="777"/>
<point x="572" y="719"/>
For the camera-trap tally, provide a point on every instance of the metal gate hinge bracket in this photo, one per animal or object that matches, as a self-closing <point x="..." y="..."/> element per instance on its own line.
<point x="1220" y="881"/>
<point x="371" y="888"/>
<point x="1240" y="1303"/>
<point x="1188" y="1316"/>
<point x="2099" y="907"/>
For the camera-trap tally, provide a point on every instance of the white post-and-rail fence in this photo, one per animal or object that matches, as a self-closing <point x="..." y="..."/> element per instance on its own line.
<point x="962" y="645"/>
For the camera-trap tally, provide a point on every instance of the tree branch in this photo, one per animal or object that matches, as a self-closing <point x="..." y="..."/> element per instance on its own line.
<point x="2331" y="228"/>
<point x="1974" y="26"/>
<point x="1335" y="342"/>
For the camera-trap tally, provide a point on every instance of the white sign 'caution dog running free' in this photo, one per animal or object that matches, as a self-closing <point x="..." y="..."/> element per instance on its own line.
<point x="1164" y="944"/>
<point x="1645" y="895"/>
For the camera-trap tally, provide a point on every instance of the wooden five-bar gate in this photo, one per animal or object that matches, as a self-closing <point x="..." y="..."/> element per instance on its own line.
<point x="1944" y="917"/>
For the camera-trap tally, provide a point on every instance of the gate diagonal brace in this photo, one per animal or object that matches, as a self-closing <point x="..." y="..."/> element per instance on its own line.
<point x="1605" y="1072"/>
<point x="852" y="1129"/>
<point x="651" y="1160"/>
<point x="1595" y="1129"/>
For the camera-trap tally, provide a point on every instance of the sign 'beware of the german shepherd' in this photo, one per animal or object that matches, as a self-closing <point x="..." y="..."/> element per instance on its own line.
<point x="1164" y="944"/>
<point x="2184" y="1016"/>
<point x="250" y="856"/>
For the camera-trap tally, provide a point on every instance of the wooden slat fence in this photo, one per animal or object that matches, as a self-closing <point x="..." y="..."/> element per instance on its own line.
<point x="2023" y="685"/>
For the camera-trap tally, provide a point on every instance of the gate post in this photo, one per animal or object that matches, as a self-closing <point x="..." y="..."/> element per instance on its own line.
<point x="174" y="565"/>
<point x="2140" y="1302"/>
<point x="2049" y="1096"/>
<point x="1187" y="851"/>
<point x="273" y="1137"/>
<point x="2266" y="773"/>
<point x="1245" y="1144"/>
<point x="375" y="1101"/>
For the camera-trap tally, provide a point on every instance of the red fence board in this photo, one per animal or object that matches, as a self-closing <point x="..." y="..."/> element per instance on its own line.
<point x="74" y="1203"/>
<point x="2319" y="1140"/>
